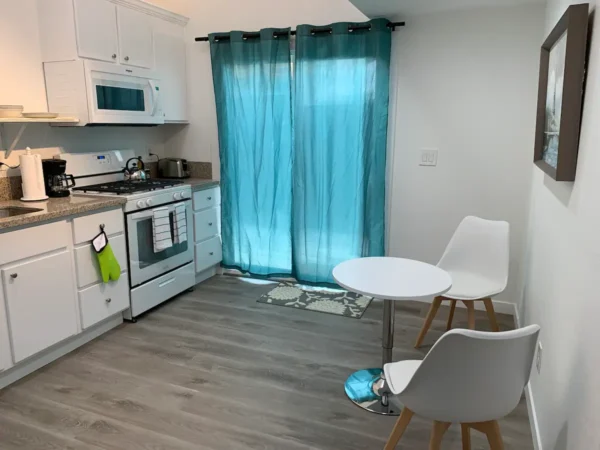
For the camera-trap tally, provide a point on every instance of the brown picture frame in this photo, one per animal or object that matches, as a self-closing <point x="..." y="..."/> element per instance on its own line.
<point x="574" y="23"/>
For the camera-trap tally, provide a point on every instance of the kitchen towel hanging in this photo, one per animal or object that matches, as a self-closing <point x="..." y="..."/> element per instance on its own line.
<point x="180" y="224"/>
<point x="161" y="229"/>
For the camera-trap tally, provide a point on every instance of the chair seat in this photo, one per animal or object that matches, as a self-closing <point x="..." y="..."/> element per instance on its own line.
<point x="469" y="286"/>
<point x="399" y="374"/>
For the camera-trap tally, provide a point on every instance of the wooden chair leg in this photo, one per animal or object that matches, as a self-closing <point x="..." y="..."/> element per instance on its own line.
<point x="492" y="431"/>
<point x="435" y="305"/>
<point x="399" y="428"/>
<point x="470" y="314"/>
<point x="494" y="436"/>
<point x="437" y="433"/>
<point x="451" y="316"/>
<point x="466" y="436"/>
<point x="489" y="307"/>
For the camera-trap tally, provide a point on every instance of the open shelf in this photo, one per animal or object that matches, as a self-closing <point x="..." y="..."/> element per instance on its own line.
<point x="24" y="121"/>
<point x="27" y="120"/>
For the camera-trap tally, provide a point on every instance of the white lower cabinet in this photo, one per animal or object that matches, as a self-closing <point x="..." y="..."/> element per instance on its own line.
<point x="101" y="301"/>
<point x="52" y="298"/>
<point x="40" y="300"/>
<point x="208" y="251"/>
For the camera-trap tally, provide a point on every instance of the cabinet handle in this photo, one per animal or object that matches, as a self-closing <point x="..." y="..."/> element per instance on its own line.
<point x="210" y="224"/>
<point x="114" y="56"/>
<point x="14" y="275"/>
<point x="126" y="58"/>
<point x="211" y="253"/>
<point x="208" y="198"/>
<point x="108" y="300"/>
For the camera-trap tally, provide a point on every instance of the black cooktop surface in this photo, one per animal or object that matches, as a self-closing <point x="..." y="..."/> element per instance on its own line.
<point x="128" y="187"/>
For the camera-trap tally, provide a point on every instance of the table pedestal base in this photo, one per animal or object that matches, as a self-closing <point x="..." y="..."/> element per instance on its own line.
<point x="367" y="390"/>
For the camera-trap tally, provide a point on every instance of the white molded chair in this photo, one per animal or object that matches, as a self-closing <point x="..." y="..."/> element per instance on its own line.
<point x="469" y="377"/>
<point x="477" y="260"/>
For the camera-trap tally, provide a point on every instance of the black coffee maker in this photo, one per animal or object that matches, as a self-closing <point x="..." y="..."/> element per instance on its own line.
<point x="57" y="183"/>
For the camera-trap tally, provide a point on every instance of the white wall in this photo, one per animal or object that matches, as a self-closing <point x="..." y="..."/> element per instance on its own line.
<point x="22" y="83"/>
<point x="466" y="85"/>
<point x="563" y="267"/>
<point x="199" y="140"/>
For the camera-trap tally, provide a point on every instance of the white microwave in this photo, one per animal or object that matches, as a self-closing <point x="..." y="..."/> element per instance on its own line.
<point x="100" y="93"/>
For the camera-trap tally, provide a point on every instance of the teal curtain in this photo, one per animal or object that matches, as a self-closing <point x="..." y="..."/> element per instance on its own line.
<point x="340" y="127"/>
<point x="252" y="82"/>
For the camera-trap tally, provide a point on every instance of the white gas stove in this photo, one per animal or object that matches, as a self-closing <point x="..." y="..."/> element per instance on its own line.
<point x="154" y="276"/>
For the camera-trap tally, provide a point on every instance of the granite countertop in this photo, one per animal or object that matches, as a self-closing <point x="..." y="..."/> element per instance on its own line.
<point x="199" y="184"/>
<point x="55" y="208"/>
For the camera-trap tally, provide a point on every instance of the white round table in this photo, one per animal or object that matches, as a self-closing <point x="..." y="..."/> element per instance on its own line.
<point x="388" y="279"/>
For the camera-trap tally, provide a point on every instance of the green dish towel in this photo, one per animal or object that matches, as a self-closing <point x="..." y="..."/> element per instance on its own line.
<point x="109" y="266"/>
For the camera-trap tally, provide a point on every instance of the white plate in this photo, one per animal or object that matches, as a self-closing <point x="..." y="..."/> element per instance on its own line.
<point x="40" y="115"/>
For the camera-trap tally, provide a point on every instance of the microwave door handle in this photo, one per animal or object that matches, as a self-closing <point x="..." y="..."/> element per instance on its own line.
<point x="155" y="95"/>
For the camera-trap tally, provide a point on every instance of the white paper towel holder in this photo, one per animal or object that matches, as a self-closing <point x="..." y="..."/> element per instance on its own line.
<point x="32" y="176"/>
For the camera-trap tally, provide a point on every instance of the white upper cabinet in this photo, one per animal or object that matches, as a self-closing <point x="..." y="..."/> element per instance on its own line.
<point x="170" y="53"/>
<point x="135" y="38"/>
<point x="96" y="25"/>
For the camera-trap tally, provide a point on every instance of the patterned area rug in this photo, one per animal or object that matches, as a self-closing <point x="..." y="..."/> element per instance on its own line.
<point x="330" y="301"/>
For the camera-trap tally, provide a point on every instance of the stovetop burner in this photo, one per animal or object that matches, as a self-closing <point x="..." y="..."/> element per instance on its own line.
<point x="129" y="187"/>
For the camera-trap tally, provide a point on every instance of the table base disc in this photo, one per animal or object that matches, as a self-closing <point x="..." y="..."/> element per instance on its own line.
<point x="359" y="389"/>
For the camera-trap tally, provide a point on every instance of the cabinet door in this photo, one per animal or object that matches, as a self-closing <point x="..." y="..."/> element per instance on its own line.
<point x="169" y="47"/>
<point x="40" y="299"/>
<point x="135" y="38"/>
<point x="96" y="23"/>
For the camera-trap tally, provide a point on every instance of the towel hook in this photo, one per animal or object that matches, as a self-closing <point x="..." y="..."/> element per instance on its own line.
<point x="102" y="227"/>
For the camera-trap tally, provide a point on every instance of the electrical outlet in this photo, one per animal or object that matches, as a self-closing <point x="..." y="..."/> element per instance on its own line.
<point x="538" y="357"/>
<point x="428" y="157"/>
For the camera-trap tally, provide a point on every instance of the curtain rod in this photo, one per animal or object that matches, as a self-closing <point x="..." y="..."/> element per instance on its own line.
<point x="391" y="25"/>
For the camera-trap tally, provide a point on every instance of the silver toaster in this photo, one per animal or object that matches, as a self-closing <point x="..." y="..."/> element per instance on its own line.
<point x="173" y="168"/>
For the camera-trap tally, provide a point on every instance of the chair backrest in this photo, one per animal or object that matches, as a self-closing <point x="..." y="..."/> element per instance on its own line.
<point x="479" y="246"/>
<point x="472" y="376"/>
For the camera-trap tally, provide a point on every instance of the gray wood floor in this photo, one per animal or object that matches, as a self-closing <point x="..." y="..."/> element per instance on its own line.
<point x="214" y="369"/>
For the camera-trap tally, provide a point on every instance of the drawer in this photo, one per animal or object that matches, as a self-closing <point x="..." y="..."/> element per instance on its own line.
<point x="206" y="224"/>
<point x="36" y="240"/>
<point x="208" y="253"/>
<point x="207" y="198"/>
<point x="155" y="292"/>
<point x="101" y="301"/>
<point x="86" y="261"/>
<point x="87" y="228"/>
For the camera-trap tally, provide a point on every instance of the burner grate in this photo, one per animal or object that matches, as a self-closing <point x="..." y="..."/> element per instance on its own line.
<point x="129" y="187"/>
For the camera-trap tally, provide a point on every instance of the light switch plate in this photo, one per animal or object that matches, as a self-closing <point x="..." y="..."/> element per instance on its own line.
<point x="429" y="157"/>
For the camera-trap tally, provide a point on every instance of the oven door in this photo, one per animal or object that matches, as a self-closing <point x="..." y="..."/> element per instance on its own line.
<point x="118" y="95"/>
<point x="144" y="263"/>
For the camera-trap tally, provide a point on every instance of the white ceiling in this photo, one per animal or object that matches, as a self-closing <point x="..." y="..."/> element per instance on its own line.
<point x="402" y="8"/>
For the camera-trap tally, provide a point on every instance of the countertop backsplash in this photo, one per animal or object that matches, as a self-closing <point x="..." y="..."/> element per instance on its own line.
<point x="10" y="186"/>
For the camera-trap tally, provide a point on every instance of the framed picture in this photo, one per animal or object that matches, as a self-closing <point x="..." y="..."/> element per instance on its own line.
<point x="560" y="95"/>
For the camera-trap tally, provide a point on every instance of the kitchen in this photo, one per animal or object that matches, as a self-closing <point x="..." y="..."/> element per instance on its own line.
<point x="103" y="90"/>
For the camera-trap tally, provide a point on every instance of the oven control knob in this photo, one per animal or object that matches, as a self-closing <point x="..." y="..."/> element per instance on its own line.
<point x="149" y="202"/>
<point x="185" y="194"/>
<point x="177" y="196"/>
<point x="140" y="204"/>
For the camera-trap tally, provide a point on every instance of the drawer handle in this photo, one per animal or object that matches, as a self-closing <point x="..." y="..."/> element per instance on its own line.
<point x="210" y="224"/>
<point x="208" y="198"/>
<point x="14" y="275"/>
<point x="164" y="283"/>
<point x="211" y="253"/>
<point x="126" y="58"/>
<point x="108" y="300"/>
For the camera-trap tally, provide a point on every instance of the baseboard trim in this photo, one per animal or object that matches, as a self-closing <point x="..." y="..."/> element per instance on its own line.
<point x="61" y="349"/>
<point x="499" y="306"/>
